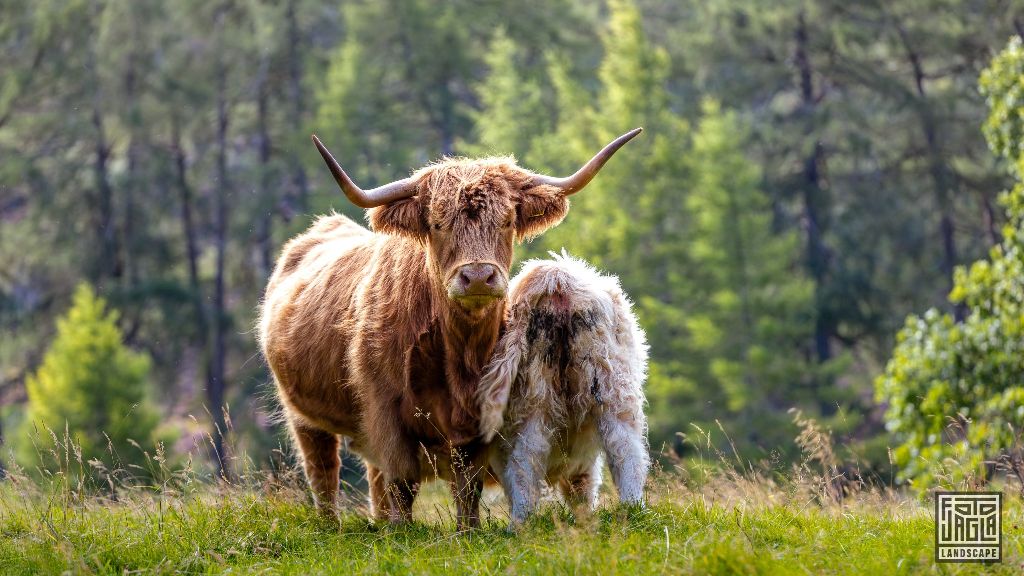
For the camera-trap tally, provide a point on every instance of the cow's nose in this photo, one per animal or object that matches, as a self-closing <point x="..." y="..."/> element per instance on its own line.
<point x="481" y="275"/>
<point x="479" y="279"/>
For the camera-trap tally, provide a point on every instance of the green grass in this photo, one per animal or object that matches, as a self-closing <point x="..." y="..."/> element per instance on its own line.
<point x="728" y="526"/>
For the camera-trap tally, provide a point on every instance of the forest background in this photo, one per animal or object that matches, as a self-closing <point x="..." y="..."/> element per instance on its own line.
<point x="811" y="174"/>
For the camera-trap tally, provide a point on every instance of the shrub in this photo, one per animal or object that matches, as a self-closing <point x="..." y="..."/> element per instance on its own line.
<point x="92" y="390"/>
<point x="955" y="391"/>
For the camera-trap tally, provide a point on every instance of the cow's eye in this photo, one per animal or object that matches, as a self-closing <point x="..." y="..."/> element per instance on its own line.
<point x="437" y="226"/>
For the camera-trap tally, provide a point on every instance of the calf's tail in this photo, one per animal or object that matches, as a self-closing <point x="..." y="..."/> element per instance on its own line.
<point x="501" y="372"/>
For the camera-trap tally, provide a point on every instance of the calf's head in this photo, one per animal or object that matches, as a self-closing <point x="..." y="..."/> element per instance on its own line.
<point x="469" y="213"/>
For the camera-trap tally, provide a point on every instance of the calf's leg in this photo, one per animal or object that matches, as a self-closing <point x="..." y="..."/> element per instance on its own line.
<point x="321" y="462"/>
<point x="525" y="469"/>
<point x="622" y="435"/>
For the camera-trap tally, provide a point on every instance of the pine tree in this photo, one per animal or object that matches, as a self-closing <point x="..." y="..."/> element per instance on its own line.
<point x="91" y="386"/>
<point x="389" y="103"/>
<point x="630" y="221"/>
<point x="751" y="317"/>
<point x="512" y="113"/>
<point x="369" y="129"/>
<point x="626" y="218"/>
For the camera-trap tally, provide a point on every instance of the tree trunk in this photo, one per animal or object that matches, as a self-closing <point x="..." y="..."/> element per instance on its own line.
<point x="199" y="310"/>
<point x="3" y="470"/>
<point x="813" y="197"/>
<point x="991" y="225"/>
<point x="132" y="318"/>
<point x="943" y="181"/>
<point x="191" y="244"/>
<point x="447" y="118"/>
<point x="216" y="384"/>
<point x="266" y="222"/>
<point x="107" y="265"/>
<point x="297" y="95"/>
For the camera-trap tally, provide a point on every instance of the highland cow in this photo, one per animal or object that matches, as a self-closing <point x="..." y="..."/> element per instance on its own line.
<point x="381" y="336"/>
<point x="565" y="386"/>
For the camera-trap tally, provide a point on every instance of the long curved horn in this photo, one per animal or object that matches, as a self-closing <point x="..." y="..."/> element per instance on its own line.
<point x="583" y="176"/>
<point x="379" y="196"/>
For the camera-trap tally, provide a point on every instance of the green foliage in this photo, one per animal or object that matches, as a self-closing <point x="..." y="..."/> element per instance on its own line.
<point x="1002" y="83"/>
<point x="628" y="216"/>
<point x="632" y="219"/>
<point x="355" y="99"/>
<point x="90" y="390"/>
<point x="955" y="390"/>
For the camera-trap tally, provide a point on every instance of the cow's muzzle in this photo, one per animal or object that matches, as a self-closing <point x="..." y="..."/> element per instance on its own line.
<point x="477" y="283"/>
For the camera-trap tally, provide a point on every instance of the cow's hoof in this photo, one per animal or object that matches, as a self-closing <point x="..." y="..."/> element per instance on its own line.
<point x="329" y="517"/>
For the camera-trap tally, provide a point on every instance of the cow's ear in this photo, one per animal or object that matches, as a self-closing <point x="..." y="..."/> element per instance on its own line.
<point x="540" y="208"/>
<point x="403" y="217"/>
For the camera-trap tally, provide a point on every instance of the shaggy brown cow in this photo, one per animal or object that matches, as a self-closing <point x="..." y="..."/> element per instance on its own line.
<point x="381" y="336"/>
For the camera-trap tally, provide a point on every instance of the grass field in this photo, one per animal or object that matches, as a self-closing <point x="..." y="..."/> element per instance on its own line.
<point x="730" y="525"/>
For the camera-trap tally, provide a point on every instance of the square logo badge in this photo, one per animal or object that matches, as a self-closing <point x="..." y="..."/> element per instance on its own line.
<point x="968" y="527"/>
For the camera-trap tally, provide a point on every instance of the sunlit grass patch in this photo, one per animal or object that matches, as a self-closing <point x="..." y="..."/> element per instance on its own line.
<point x="721" y="517"/>
<point x="234" y="528"/>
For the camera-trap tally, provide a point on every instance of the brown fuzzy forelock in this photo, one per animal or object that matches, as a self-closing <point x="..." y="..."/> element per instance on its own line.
<point x="480" y="192"/>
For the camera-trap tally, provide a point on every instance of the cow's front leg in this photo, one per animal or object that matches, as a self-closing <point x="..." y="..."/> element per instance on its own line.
<point x="400" y="469"/>
<point x="525" y="469"/>
<point x="466" y="488"/>
<point x="401" y="494"/>
<point x="321" y="462"/>
<point x="394" y="454"/>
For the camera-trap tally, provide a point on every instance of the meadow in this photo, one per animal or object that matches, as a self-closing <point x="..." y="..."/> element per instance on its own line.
<point x="726" y="528"/>
<point x="709" y="515"/>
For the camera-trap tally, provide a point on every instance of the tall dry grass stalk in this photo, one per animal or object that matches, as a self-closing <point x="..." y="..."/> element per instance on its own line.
<point x="714" y="476"/>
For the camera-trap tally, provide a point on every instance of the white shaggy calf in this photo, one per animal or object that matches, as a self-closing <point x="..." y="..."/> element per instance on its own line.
<point x="565" y="384"/>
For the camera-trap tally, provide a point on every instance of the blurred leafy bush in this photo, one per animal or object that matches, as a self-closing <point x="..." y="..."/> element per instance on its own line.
<point x="955" y="390"/>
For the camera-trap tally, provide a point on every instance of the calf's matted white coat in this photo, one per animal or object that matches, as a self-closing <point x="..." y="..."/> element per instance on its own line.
<point x="565" y="386"/>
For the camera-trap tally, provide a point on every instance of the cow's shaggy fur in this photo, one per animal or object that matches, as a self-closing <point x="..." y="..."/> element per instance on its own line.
<point x="365" y="339"/>
<point x="566" y="385"/>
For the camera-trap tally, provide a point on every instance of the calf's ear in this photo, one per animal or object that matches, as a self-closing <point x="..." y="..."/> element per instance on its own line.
<point x="540" y="208"/>
<point x="403" y="218"/>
